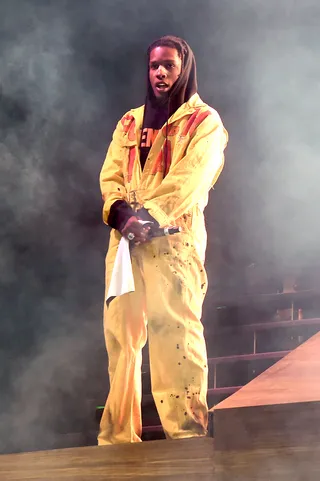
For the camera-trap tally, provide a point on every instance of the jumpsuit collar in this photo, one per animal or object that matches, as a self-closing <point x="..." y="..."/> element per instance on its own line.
<point x="186" y="109"/>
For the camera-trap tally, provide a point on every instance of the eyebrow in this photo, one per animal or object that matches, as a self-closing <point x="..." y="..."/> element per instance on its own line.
<point x="162" y="61"/>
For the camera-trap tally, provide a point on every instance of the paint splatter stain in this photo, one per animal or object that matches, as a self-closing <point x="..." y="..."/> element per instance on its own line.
<point x="187" y="244"/>
<point x="179" y="363"/>
<point x="161" y="401"/>
<point x="184" y="357"/>
<point x="177" y="397"/>
<point x="202" y="285"/>
<point x="178" y="347"/>
<point x="185" y="413"/>
<point x="188" y="397"/>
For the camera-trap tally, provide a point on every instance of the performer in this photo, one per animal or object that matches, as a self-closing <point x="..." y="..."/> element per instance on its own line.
<point x="163" y="159"/>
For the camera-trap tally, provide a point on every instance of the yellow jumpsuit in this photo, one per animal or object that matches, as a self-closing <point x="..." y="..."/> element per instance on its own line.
<point x="169" y="273"/>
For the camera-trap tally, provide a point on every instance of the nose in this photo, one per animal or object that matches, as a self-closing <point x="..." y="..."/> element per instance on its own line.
<point x="161" y="72"/>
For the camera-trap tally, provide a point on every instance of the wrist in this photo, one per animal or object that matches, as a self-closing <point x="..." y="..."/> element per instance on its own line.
<point x="146" y="216"/>
<point x="128" y="223"/>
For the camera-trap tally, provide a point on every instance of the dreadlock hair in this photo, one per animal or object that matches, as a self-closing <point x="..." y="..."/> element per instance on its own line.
<point x="172" y="42"/>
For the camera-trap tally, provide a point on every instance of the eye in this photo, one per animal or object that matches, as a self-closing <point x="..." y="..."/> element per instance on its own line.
<point x="154" y="66"/>
<point x="170" y="66"/>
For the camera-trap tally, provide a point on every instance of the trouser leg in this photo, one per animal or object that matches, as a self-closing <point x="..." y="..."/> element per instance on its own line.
<point x="175" y="291"/>
<point x="125" y="335"/>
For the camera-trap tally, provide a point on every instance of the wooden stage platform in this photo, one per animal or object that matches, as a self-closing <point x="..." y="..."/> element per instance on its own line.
<point x="187" y="459"/>
<point x="269" y="430"/>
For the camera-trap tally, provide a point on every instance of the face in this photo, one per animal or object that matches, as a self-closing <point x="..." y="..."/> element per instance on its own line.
<point x="164" y="69"/>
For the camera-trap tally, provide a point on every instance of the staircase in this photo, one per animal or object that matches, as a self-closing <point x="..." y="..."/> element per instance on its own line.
<point x="268" y="429"/>
<point x="250" y="334"/>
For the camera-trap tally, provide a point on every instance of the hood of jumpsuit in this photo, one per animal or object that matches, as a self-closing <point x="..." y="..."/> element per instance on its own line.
<point x="157" y="112"/>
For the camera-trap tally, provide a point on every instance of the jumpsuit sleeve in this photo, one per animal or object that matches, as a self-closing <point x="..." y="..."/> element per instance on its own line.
<point x="195" y="173"/>
<point x="111" y="175"/>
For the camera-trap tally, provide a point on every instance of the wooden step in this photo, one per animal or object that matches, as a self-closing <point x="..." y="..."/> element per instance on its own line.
<point x="269" y="429"/>
<point x="152" y="429"/>
<point x="147" y="399"/>
<point x="295" y="378"/>
<point x="267" y="326"/>
<point x="239" y="357"/>
<point x="218" y="391"/>
<point x="277" y="300"/>
<point x="279" y="407"/>
<point x="214" y="392"/>
<point x="247" y="357"/>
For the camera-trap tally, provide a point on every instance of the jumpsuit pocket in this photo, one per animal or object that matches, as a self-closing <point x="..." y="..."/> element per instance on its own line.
<point x="115" y="238"/>
<point x="129" y="158"/>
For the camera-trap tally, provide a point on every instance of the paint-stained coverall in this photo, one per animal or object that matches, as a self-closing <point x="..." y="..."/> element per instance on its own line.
<point x="169" y="273"/>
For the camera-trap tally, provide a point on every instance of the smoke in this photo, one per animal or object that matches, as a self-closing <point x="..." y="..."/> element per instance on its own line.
<point x="52" y="397"/>
<point x="264" y="80"/>
<point x="52" y="241"/>
<point x="285" y="85"/>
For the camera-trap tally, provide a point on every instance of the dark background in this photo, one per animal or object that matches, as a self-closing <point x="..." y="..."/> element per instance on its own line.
<point x="68" y="71"/>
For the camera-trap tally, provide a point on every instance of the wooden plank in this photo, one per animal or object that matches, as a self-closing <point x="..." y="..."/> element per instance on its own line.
<point x="269" y="429"/>
<point x="244" y="357"/>
<point x="273" y="299"/>
<point x="147" y="399"/>
<point x="152" y="429"/>
<point x="257" y="427"/>
<point x="248" y="357"/>
<point x="281" y="324"/>
<point x="186" y="459"/>
<point x="295" y="378"/>
<point x="300" y="463"/>
<point x="266" y="326"/>
<point x="219" y="391"/>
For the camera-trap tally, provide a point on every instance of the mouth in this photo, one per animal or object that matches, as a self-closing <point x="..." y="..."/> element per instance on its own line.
<point x="161" y="86"/>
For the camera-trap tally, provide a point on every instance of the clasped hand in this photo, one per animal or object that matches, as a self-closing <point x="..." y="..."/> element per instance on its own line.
<point x="136" y="231"/>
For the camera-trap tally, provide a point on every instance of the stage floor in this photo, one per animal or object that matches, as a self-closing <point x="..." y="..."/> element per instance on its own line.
<point x="186" y="459"/>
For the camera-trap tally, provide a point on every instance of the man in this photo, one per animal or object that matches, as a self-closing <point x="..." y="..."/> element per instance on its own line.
<point x="163" y="159"/>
